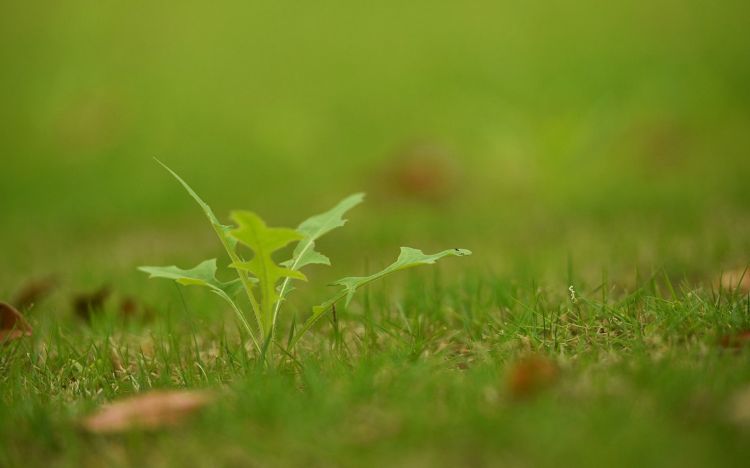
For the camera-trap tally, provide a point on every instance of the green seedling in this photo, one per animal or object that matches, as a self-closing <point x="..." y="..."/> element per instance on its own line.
<point x="267" y="283"/>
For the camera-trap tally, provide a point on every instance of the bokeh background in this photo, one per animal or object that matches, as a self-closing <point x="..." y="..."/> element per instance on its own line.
<point x="610" y="136"/>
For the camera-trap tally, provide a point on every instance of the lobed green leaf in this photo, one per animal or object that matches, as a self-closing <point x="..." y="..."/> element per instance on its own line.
<point x="408" y="258"/>
<point x="312" y="229"/>
<point x="253" y="232"/>
<point x="316" y="227"/>
<point x="222" y="230"/>
<point x="227" y="241"/>
<point x="204" y="274"/>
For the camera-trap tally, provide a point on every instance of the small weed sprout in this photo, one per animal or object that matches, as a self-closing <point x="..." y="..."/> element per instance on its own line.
<point x="573" y="297"/>
<point x="267" y="283"/>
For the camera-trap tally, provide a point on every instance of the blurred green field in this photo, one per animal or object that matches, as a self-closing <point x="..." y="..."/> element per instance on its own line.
<point x="587" y="143"/>
<point x="580" y="129"/>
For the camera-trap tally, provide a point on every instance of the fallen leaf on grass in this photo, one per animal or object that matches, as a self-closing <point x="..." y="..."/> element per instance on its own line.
<point x="34" y="291"/>
<point x="86" y="303"/>
<point x="128" y="306"/>
<point x="149" y="411"/>
<point x="12" y="324"/>
<point x="423" y="172"/>
<point x="531" y="374"/>
<point x="131" y="308"/>
<point x="657" y="144"/>
<point x="736" y="340"/>
<point x="735" y="280"/>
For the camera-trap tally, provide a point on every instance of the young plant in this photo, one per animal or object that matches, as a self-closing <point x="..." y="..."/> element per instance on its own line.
<point x="265" y="282"/>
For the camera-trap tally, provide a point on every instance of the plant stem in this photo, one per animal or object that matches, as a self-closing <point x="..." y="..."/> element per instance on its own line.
<point x="286" y="283"/>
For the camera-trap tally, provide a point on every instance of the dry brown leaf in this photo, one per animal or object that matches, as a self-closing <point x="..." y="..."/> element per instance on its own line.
<point x="531" y="374"/>
<point x="736" y="340"/>
<point x="34" y="291"/>
<point x="423" y="172"/>
<point x="128" y="307"/>
<point x="735" y="280"/>
<point x="86" y="303"/>
<point x="657" y="144"/>
<point x="152" y="410"/>
<point x="12" y="324"/>
<point x="131" y="308"/>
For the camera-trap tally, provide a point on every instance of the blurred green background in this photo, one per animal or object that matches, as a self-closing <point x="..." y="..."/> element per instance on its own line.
<point x="607" y="135"/>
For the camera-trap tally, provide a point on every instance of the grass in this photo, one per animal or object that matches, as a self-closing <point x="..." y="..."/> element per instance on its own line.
<point x="416" y="381"/>
<point x="599" y="146"/>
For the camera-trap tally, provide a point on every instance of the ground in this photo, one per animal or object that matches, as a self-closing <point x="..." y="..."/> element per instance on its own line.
<point x="593" y="157"/>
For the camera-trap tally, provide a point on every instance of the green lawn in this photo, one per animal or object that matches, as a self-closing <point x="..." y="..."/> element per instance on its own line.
<point x="420" y="381"/>
<point x="603" y="147"/>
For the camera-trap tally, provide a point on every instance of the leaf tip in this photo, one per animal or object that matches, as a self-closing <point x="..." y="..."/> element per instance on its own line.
<point x="162" y="164"/>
